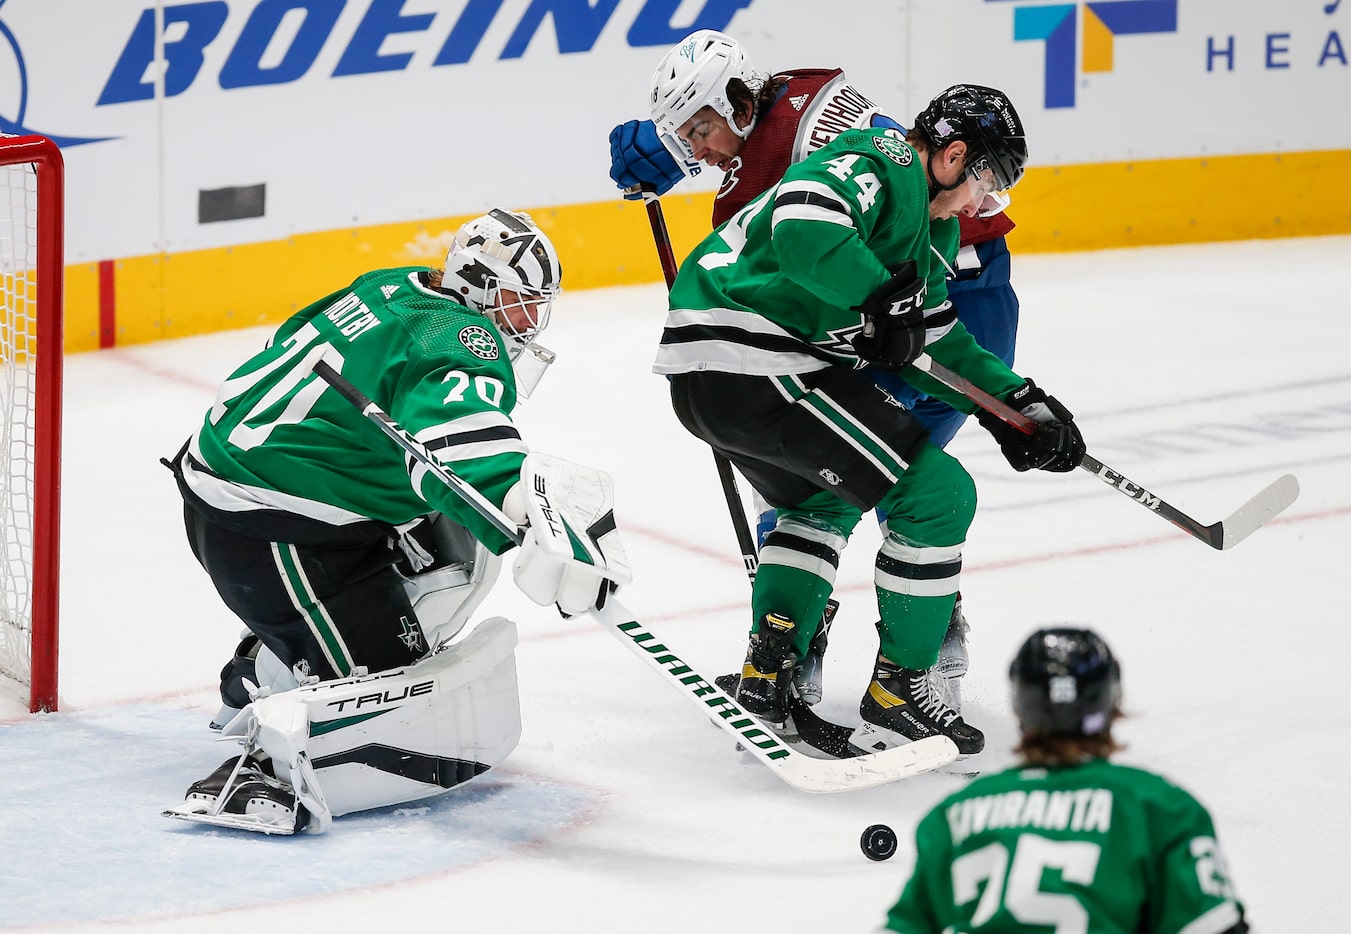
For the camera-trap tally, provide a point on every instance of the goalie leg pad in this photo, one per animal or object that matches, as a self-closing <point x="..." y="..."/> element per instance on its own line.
<point x="444" y="595"/>
<point x="399" y="735"/>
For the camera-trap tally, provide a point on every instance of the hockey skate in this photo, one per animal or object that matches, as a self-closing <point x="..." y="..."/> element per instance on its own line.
<point x="766" y="676"/>
<point x="809" y="675"/>
<point x="953" y="659"/>
<point x="243" y="794"/>
<point x="901" y="706"/>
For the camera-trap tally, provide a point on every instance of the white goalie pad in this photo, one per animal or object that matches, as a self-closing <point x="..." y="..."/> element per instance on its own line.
<point x="571" y="547"/>
<point x="395" y="736"/>
<point x="445" y="595"/>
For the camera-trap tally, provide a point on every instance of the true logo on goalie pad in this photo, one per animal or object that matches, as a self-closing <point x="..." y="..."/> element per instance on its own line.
<point x="479" y="342"/>
<point x="383" y="697"/>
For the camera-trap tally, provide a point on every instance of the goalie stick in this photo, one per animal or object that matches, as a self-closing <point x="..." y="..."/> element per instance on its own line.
<point x="797" y="769"/>
<point x="1245" y="520"/>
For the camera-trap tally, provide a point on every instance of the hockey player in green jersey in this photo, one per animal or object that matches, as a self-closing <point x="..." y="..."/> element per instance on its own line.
<point x="1068" y="840"/>
<point x="345" y="558"/>
<point x="842" y="265"/>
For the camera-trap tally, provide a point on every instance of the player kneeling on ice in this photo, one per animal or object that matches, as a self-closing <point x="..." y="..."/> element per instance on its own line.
<point x="354" y="566"/>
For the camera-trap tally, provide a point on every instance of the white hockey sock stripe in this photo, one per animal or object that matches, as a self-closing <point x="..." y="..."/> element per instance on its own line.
<point x="791" y="551"/>
<point x="316" y="616"/>
<point x="918" y="572"/>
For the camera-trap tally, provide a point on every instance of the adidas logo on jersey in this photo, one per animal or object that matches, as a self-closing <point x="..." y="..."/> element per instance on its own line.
<point x="798" y="101"/>
<point x="388" y="290"/>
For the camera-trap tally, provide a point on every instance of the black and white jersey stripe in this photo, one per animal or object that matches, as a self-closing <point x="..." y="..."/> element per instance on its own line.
<point x="805" y="200"/>
<point x="472" y="437"/>
<point x="731" y="341"/>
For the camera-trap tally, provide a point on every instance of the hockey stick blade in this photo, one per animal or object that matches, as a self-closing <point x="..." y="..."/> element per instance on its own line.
<point x="800" y="771"/>
<point x="812" y="729"/>
<point x="1244" y="521"/>
<point x="1258" y="511"/>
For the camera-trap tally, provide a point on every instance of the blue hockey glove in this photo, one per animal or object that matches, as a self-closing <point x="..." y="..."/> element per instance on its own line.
<point x="1056" y="445"/>
<point x="637" y="157"/>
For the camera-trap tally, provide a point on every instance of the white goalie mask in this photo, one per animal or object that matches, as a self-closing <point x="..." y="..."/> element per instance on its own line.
<point x="695" y="74"/>
<point x="504" y="266"/>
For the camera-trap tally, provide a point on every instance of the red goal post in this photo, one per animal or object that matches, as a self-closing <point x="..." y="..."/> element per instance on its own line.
<point x="32" y="235"/>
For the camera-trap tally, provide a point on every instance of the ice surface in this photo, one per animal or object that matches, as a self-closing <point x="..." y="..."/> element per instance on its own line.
<point x="1202" y="372"/>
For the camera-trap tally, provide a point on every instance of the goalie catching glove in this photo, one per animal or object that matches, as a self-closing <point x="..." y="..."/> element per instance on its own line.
<point x="571" y="554"/>
<point x="893" y="320"/>
<point x="1056" y="444"/>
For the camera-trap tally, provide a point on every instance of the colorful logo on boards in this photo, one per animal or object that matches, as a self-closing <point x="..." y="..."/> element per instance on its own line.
<point x="1058" y="26"/>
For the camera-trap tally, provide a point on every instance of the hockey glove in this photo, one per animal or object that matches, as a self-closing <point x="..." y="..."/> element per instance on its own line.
<point x="638" y="157"/>
<point x="893" y="320"/>
<point x="571" y="554"/>
<point x="1056" y="445"/>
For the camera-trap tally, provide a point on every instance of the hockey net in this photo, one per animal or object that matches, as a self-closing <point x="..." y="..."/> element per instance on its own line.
<point x="31" y="270"/>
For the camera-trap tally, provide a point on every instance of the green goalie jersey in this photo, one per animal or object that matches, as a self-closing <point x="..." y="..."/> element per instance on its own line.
<point x="1098" y="848"/>
<point x="775" y="290"/>
<point x="279" y="438"/>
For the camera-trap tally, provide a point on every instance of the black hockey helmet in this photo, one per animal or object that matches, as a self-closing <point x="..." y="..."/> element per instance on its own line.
<point x="1065" y="683"/>
<point x="985" y="119"/>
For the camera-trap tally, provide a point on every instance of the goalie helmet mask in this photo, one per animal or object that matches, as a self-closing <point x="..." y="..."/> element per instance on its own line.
<point x="985" y="119"/>
<point x="695" y="74"/>
<point x="503" y="265"/>
<point x="1065" y="682"/>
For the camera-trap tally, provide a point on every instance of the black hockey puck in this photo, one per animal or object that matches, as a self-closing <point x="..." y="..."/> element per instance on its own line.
<point x="878" y="842"/>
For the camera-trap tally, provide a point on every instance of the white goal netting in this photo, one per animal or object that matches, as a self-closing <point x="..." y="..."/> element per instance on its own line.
<point x="18" y="354"/>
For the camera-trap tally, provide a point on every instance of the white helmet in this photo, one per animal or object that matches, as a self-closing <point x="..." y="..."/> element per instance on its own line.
<point x="695" y="74"/>
<point x="503" y="251"/>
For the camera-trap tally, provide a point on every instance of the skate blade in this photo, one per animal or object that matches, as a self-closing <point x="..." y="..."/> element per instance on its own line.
<point x="198" y="812"/>
<point x="869" y="737"/>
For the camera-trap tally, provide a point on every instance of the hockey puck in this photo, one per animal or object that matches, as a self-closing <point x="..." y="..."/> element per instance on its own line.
<point x="878" y="842"/>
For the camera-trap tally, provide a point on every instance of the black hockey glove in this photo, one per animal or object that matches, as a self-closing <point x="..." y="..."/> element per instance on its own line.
<point x="1056" y="445"/>
<point x="893" y="320"/>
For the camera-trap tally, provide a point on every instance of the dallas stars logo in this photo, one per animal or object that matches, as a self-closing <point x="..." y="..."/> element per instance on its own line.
<point x="479" y="342"/>
<point x="840" y="343"/>
<point x="895" y="150"/>
<point x="411" y="635"/>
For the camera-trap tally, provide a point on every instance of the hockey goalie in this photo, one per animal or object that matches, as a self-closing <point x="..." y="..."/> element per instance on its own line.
<point x="356" y="569"/>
